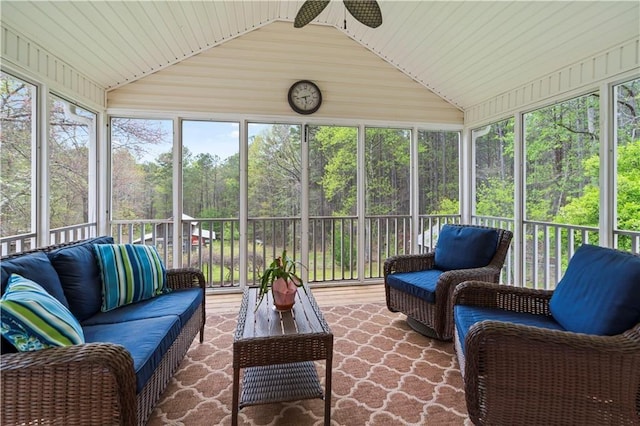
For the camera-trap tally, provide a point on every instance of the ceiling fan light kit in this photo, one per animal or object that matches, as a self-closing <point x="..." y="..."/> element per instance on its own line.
<point x="366" y="12"/>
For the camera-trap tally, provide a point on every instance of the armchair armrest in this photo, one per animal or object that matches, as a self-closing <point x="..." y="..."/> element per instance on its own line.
<point x="569" y="378"/>
<point x="490" y="295"/>
<point x="75" y="385"/>
<point x="409" y="263"/>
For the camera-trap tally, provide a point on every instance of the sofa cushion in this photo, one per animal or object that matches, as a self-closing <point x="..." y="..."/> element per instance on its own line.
<point x="35" y="267"/>
<point x="32" y="319"/>
<point x="79" y="275"/>
<point x="421" y="284"/>
<point x="148" y="340"/>
<point x="599" y="293"/>
<point x="465" y="316"/>
<point x="130" y="273"/>
<point x="181" y="302"/>
<point x="464" y="247"/>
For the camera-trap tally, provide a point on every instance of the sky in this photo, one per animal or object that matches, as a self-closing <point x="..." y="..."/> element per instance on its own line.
<point x="201" y="137"/>
<point x="216" y="138"/>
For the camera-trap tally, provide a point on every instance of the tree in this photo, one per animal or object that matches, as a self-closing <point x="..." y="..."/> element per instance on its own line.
<point x="132" y="144"/>
<point x="16" y="112"/>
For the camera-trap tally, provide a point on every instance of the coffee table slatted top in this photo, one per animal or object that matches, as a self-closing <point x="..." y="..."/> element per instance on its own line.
<point x="304" y="317"/>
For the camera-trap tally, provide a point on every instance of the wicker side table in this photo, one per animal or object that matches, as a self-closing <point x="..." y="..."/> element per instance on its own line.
<point x="277" y="350"/>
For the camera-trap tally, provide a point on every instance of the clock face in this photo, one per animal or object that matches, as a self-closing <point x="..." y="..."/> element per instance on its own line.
<point x="305" y="97"/>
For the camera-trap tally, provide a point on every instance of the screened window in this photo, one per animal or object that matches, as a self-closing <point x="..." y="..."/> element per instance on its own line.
<point x="562" y="186"/>
<point x="494" y="179"/>
<point x="142" y="168"/>
<point x="17" y="171"/>
<point x="627" y="135"/>
<point x="72" y="142"/>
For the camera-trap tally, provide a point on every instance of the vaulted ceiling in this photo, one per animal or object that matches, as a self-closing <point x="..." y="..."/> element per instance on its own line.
<point x="464" y="51"/>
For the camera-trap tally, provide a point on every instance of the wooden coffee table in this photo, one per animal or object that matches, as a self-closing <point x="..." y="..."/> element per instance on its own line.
<point x="277" y="350"/>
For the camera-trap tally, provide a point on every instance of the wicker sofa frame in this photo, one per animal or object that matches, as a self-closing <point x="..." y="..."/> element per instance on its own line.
<point x="94" y="383"/>
<point x="436" y="319"/>
<point x="516" y="374"/>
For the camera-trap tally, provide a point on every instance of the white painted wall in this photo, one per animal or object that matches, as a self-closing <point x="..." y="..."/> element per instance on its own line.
<point x="28" y="58"/>
<point x="572" y="80"/>
<point x="250" y="75"/>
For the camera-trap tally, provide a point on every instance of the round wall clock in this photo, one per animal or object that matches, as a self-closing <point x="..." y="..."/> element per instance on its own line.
<point x="304" y="97"/>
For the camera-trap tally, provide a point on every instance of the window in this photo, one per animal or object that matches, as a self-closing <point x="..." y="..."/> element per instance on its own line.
<point x="627" y="136"/>
<point x="211" y="199"/>
<point x="438" y="172"/>
<point x="17" y="171"/>
<point x="72" y="140"/>
<point x="18" y="163"/>
<point x="274" y="192"/>
<point x="562" y="202"/>
<point x="211" y="169"/>
<point x="142" y="168"/>
<point x="387" y="186"/>
<point x="494" y="179"/>
<point x="333" y="202"/>
<point x="438" y="184"/>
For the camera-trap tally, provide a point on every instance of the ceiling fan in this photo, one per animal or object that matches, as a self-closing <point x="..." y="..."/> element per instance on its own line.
<point x="365" y="11"/>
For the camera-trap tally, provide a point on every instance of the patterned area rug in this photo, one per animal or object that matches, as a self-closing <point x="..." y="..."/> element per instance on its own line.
<point x="384" y="373"/>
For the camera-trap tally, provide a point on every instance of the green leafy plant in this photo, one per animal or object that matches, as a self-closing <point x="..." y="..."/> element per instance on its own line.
<point x="282" y="267"/>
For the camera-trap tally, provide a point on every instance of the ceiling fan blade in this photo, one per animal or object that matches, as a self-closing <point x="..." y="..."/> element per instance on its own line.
<point x="309" y="10"/>
<point x="366" y="11"/>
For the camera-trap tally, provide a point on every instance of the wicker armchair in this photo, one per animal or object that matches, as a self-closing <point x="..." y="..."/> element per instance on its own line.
<point x="436" y="319"/>
<point x="521" y="374"/>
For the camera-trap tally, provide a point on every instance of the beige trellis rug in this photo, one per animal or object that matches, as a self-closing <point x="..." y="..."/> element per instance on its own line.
<point x="384" y="373"/>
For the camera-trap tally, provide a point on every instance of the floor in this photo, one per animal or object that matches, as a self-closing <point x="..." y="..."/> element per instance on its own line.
<point x="325" y="296"/>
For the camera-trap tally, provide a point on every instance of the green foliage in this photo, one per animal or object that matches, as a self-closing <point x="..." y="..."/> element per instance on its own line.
<point x="448" y="206"/>
<point x="584" y="210"/>
<point x="344" y="252"/>
<point x="387" y="171"/>
<point x="333" y="188"/>
<point x="438" y="170"/>
<point x="282" y="267"/>
<point x="558" y="140"/>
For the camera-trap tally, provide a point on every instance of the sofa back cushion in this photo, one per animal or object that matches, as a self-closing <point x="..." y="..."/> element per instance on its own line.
<point x="463" y="247"/>
<point x="599" y="293"/>
<point x="32" y="319"/>
<point x="35" y="267"/>
<point x="79" y="274"/>
<point x="130" y="273"/>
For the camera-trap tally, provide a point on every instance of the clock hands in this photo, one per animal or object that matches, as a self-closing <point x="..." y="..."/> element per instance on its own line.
<point x="304" y="97"/>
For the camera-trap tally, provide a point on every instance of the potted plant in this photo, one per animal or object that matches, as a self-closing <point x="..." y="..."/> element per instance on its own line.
<point x="283" y="280"/>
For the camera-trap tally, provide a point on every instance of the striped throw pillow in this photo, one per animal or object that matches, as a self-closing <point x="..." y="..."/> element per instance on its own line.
<point x="130" y="273"/>
<point x="32" y="319"/>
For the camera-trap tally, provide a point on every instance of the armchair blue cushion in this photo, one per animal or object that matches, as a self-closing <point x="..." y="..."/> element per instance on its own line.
<point x="599" y="293"/>
<point x="465" y="247"/>
<point x="421" y="284"/>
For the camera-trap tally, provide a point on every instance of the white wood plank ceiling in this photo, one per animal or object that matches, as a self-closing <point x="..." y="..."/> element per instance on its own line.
<point x="464" y="51"/>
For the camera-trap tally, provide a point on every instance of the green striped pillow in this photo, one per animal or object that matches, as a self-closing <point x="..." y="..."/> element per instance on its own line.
<point x="32" y="319"/>
<point x="130" y="273"/>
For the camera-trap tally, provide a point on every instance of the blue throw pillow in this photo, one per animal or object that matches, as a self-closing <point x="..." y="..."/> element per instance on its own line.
<point x="599" y="293"/>
<point x="130" y="273"/>
<point x="464" y="247"/>
<point x="36" y="267"/>
<point x="32" y="319"/>
<point x="79" y="274"/>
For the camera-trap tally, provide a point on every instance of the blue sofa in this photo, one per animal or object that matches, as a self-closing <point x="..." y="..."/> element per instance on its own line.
<point x="129" y="353"/>
<point x="569" y="356"/>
